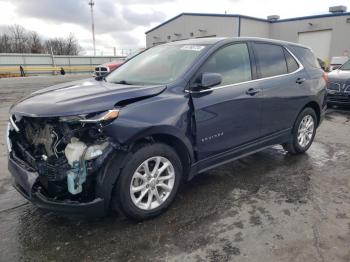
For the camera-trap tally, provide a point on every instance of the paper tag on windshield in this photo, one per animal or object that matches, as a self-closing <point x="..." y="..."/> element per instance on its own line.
<point x="196" y="48"/>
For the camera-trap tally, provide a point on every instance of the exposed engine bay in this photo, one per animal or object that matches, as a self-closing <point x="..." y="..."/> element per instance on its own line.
<point x="66" y="153"/>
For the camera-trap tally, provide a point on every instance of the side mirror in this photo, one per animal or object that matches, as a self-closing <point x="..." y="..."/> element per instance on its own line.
<point x="210" y="79"/>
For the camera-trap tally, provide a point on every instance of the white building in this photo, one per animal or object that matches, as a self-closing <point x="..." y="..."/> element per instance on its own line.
<point x="328" y="35"/>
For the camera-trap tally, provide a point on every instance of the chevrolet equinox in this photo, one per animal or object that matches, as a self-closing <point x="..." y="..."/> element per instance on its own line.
<point x="127" y="140"/>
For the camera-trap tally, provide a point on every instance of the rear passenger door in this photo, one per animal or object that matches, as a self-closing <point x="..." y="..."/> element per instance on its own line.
<point x="281" y="81"/>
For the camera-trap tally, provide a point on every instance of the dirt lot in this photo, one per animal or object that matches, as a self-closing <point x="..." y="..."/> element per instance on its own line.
<point x="267" y="207"/>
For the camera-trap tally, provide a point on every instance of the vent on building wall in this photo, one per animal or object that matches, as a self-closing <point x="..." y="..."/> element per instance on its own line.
<point x="348" y="20"/>
<point x="337" y="9"/>
<point x="273" y="17"/>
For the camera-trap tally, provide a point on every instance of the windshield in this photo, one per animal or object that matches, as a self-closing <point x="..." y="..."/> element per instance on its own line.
<point x="346" y="66"/>
<point x="158" y="65"/>
<point x="132" y="54"/>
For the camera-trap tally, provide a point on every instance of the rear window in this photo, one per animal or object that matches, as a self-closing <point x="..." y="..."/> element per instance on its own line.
<point x="270" y="59"/>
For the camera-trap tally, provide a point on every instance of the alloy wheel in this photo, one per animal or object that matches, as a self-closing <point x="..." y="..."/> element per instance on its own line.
<point x="306" y="130"/>
<point x="152" y="183"/>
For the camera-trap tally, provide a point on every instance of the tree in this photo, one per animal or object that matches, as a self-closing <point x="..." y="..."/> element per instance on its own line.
<point x="34" y="43"/>
<point x="63" y="46"/>
<point x="5" y="43"/>
<point x="19" y="40"/>
<point x="72" y="47"/>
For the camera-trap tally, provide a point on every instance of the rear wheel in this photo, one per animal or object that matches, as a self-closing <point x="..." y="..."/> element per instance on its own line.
<point x="303" y="132"/>
<point x="148" y="182"/>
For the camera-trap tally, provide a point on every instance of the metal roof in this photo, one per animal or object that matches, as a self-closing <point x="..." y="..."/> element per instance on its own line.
<point x="250" y="17"/>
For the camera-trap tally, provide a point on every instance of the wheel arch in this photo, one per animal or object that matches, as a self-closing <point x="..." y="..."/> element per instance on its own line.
<point x="169" y="135"/>
<point x="182" y="148"/>
<point x="315" y="106"/>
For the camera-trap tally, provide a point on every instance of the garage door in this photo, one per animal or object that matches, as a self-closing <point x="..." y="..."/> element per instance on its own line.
<point x="319" y="41"/>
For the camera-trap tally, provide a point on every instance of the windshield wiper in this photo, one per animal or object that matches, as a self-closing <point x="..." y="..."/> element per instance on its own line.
<point x="123" y="82"/>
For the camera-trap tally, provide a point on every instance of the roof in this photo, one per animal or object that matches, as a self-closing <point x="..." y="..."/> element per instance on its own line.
<point x="214" y="40"/>
<point x="199" y="41"/>
<point x="250" y="17"/>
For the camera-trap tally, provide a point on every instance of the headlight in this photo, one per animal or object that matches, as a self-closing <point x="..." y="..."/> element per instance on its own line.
<point x="105" y="116"/>
<point x="72" y="118"/>
<point x="100" y="117"/>
<point x="9" y="144"/>
<point x="95" y="151"/>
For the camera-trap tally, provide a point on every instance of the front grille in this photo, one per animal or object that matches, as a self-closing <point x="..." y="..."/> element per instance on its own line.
<point x="333" y="86"/>
<point x="101" y="70"/>
<point x="26" y="156"/>
<point x="53" y="169"/>
<point x="338" y="98"/>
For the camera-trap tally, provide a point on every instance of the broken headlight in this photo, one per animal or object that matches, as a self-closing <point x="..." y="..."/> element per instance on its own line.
<point x="92" y="118"/>
<point x="9" y="144"/>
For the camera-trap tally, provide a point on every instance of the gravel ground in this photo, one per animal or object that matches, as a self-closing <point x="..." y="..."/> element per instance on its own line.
<point x="266" y="207"/>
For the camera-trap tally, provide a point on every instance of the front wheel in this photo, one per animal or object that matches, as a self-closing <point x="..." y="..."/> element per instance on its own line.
<point x="303" y="133"/>
<point x="149" y="182"/>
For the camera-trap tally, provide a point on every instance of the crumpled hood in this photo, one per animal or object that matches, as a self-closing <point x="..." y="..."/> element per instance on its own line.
<point x="79" y="97"/>
<point x="339" y="76"/>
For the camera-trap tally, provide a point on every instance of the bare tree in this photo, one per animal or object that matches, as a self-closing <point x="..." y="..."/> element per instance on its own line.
<point x="55" y="46"/>
<point x="63" y="46"/>
<point x="34" y="42"/>
<point x="72" y="47"/>
<point x="19" y="40"/>
<point x="5" y="43"/>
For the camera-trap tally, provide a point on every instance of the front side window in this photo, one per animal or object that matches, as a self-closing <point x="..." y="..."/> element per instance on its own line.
<point x="158" y="65"/>
<point x="270" y="59"/>
<point x="232" y="62"/>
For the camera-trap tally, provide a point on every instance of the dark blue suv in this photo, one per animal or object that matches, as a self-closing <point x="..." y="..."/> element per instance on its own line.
<point x="126" y="141"/>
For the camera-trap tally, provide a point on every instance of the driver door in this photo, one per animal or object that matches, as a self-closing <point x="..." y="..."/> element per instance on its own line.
<point x="228" y="115"/>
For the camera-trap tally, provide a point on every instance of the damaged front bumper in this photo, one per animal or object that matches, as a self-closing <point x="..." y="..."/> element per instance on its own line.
<point x="26" y="182"/>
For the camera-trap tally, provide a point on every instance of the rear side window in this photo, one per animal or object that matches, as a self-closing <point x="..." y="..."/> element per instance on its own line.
<point x="292" y="64"/>
<point x="270" y="59"/>
<point x="232" y="62"/>
<point x="306" y="56"/>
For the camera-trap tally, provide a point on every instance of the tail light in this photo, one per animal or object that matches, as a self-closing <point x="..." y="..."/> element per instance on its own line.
<point x="325" y="77"/>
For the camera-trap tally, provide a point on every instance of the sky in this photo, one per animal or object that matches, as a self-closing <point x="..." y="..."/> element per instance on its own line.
<point x="122" y="23"/>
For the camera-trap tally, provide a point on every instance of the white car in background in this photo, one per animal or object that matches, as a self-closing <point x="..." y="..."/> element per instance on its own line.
<point x="337" y="61"/>
<point x="104" y="69"/>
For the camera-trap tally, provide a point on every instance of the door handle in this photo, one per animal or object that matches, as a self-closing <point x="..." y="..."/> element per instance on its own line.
<point x="252" y="91"/>
<point x="300" y="80"/>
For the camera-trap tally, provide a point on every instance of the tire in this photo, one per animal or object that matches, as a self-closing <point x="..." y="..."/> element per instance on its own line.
<point x="295" y="146"/>
<point x="132" y="204"/>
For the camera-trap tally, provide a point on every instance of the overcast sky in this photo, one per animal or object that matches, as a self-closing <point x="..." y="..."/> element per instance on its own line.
<point x="122" y="23"/>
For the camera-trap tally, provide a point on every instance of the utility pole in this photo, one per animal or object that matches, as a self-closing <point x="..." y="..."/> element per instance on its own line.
<point x="91" y="4"/>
